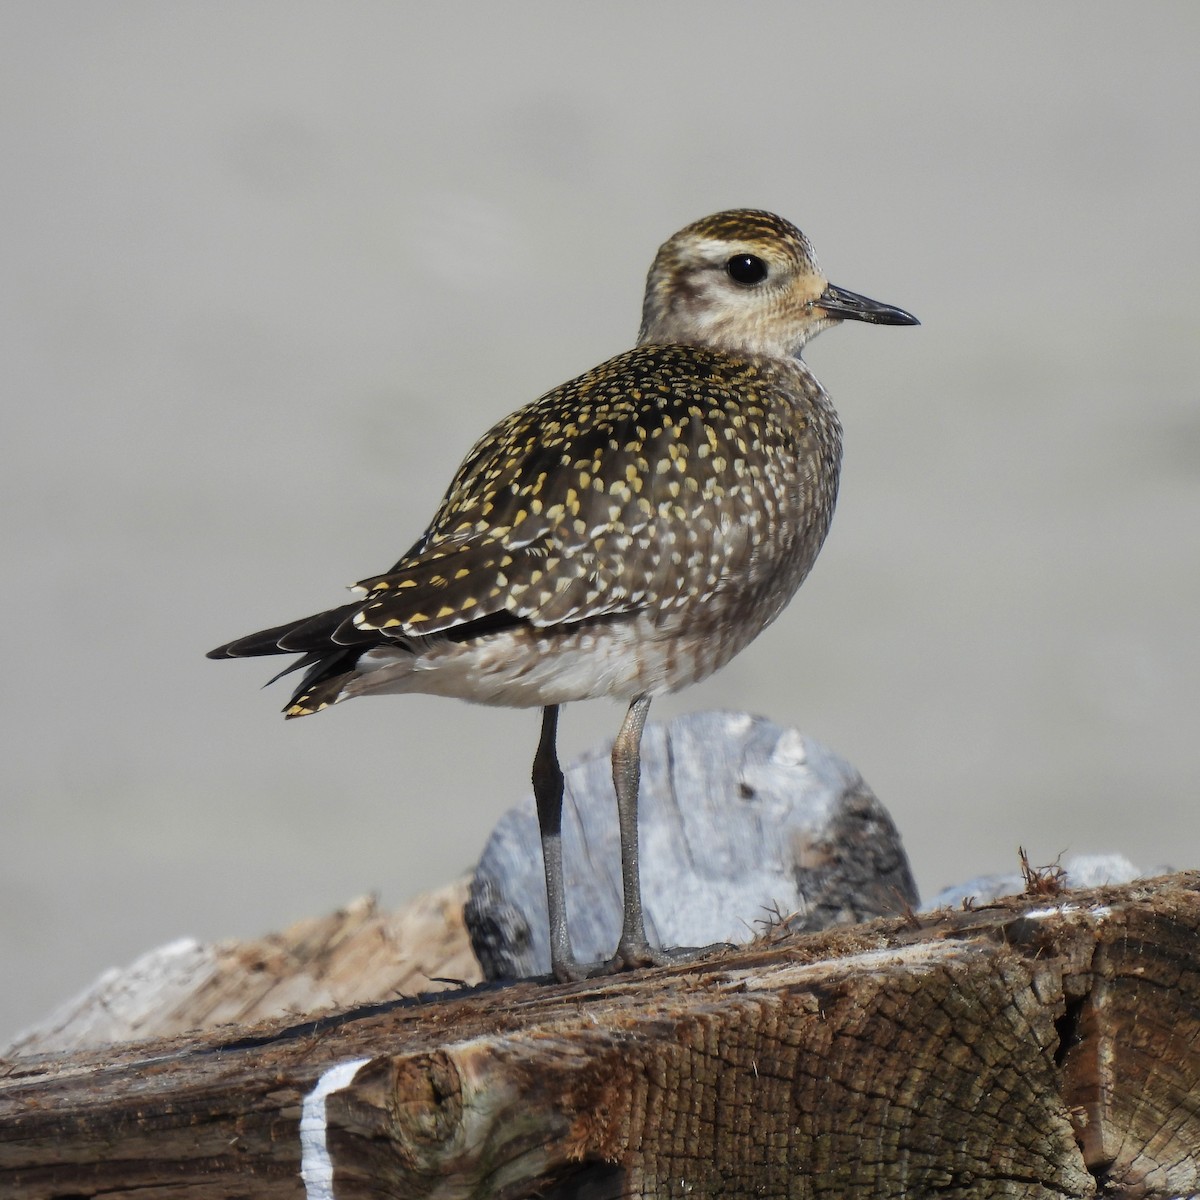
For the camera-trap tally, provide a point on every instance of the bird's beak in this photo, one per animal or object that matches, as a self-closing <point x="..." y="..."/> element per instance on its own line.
<point x="850" y="306"/>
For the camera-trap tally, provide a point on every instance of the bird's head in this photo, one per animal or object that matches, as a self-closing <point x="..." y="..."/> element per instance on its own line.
<point x="747" y="282"/>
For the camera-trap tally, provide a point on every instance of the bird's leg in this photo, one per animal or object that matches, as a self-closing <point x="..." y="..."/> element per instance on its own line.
<point x="633" y="950"/>
<point x="548" y="792"/>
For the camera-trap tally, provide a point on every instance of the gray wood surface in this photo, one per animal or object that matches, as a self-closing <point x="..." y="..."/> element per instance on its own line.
<point x="743" y="823"/>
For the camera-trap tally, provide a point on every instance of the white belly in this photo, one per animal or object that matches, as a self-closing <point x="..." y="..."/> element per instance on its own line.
<point x="525" y="668"/>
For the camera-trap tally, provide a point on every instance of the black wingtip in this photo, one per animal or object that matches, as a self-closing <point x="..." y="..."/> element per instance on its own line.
<point x="248" y="647"/>
<point x="296" y="637"/>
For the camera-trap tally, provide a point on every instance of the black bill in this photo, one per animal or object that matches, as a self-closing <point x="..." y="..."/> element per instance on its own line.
<point x="850" y="306"/>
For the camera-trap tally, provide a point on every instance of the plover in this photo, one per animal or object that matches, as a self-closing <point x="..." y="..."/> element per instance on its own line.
<point x="624" y="536"/>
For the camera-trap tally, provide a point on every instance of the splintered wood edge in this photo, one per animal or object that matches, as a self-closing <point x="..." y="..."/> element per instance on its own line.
<point x="1038" y="1046"/>
<point x="353" y="956"/>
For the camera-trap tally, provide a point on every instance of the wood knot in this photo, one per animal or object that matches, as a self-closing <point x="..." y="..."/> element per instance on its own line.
<point x="427" y="1098"/>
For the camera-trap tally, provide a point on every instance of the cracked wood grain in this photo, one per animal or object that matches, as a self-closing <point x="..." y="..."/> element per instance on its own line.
<point x="1038" y="1047"/>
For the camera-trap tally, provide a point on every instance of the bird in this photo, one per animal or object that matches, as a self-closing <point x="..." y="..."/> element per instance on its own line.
<point x="623" y="536"/>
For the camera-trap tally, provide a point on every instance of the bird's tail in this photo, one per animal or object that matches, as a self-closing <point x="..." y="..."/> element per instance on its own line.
<point x="323" y="683"/>
<point x="329" y="646"/>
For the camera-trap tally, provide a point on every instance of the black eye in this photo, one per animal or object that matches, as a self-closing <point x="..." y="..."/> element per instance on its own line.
<point x="746" y="269"/>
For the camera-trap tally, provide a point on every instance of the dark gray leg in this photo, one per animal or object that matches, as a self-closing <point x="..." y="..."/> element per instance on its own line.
<point x="548" y="792"/>
<point x="633" y="950"/>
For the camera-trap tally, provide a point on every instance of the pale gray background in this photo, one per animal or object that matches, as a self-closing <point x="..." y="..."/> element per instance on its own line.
<point x="269" y="268"/>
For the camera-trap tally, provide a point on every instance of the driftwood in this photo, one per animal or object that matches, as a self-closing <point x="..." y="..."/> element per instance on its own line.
<point x="739" y="819"/>
<point x="1042" y="1046"/>
<point x="358" y="955"/>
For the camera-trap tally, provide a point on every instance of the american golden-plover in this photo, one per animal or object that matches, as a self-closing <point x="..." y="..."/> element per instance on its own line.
<point x="625" y="535"/>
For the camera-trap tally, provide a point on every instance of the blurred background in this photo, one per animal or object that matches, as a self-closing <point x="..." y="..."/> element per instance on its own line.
<point x="269" y="268"/>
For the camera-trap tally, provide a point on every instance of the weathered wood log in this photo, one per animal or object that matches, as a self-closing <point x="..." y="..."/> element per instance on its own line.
<point x="1043" y="1046"/>
<point x="358" y="955"/>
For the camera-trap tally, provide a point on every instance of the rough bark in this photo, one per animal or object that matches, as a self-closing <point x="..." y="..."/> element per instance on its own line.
<point x="1044" y="1046"/>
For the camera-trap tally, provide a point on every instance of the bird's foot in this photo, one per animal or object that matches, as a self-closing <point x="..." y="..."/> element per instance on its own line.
<point x="633" y="958"/>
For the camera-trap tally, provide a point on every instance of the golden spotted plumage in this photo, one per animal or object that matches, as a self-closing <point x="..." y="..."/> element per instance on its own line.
<point x="624" y="490"/>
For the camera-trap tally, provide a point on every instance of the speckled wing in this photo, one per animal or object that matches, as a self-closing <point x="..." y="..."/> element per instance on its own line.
<point x="634" y="487"/>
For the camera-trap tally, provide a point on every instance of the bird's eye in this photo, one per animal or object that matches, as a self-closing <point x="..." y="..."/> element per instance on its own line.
<point x="746" y="269"/>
